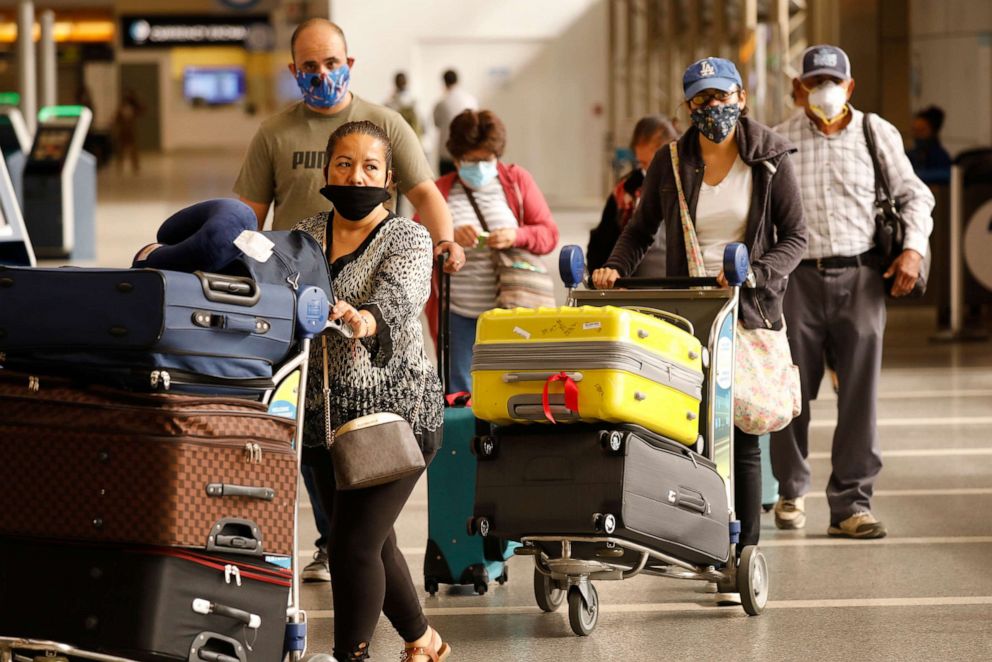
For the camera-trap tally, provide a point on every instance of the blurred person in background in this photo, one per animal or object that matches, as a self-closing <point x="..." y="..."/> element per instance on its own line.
<point x="125" y="130"/>
<point x="454" y="101"/>
<point x="930" y="160"/>
<point x="651" y="133"/>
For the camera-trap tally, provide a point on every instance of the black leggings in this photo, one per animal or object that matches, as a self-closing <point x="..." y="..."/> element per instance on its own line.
<point x="747" y="487"/>
<point x="368" y="571"/>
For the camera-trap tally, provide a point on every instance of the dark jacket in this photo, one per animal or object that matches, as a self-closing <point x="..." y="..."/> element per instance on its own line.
<point x="775" y="233"/>
<point x="604" y="236"/>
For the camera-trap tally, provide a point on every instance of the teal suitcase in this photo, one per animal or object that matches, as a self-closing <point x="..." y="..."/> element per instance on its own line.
<point x="453" y="556"/>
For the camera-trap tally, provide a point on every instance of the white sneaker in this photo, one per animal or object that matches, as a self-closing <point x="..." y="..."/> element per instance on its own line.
<point x="790" y="513"/>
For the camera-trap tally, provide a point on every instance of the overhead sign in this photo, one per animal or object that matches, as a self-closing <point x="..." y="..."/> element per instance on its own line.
<point x="171" y="30"/>
<point x="240" y="5"/>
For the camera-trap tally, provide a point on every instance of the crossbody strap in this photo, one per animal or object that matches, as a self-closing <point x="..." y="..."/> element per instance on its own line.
<point x="475" y="208"/>
<point x="694" y="256"/>
<point x="883" y="194"/>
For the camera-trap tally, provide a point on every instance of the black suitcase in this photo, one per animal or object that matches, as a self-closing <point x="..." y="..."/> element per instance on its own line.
<point x="143" y="603"/>
<point x="587" y="480"/>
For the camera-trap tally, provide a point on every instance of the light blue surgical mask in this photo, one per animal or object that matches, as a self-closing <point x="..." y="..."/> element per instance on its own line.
<point x="477" y="173"/>
<point x="324" y="90"/>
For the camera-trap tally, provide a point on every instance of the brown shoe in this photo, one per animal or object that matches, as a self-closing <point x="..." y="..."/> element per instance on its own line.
<point x="860" y="525"/>
<point x="436" y="652"/>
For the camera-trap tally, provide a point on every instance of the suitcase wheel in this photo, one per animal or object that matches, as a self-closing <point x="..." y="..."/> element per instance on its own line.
<point x="485" y="447"/>
<point x="505" y="577"/>
<point x="583" y="615"/>
<point x="604" y="522"/>
<point x="612" y="441"/>
<point x="431" y="585"/>
<point x="479" y="526"/>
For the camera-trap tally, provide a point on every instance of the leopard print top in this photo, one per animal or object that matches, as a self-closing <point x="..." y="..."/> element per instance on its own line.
<point x="389" y="275"/>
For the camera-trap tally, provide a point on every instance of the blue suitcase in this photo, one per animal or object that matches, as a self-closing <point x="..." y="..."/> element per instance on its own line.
<point x="146" y="329"/>
<point x="453" y="556"/>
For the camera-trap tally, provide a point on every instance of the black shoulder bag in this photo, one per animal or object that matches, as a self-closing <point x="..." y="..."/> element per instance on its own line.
<point x="890" y="229"/>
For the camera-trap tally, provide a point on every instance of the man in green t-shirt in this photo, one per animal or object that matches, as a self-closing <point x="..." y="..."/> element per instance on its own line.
<point x="285" y="160"/>
<point x="285" y="165"/>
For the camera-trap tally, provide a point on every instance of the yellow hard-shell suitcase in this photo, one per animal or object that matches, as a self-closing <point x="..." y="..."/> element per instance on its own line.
<point x="629" y="367"/>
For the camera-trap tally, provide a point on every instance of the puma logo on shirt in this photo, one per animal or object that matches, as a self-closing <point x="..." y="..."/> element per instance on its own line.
<point x="309" y="159"/>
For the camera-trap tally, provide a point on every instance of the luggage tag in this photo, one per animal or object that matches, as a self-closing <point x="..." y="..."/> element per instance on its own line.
<point x="255" y="245"/>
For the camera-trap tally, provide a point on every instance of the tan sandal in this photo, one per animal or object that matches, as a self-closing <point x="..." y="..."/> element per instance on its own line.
<point x="433" y="653"/>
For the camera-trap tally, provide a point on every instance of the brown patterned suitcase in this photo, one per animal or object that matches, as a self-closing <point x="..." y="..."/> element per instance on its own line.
<point x="99" y="464"/>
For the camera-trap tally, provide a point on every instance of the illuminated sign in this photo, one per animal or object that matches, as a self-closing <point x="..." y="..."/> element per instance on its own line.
<point x="165" y="31"/>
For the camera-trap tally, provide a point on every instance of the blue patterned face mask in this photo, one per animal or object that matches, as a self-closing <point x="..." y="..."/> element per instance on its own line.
<point x="716" y="122"/>
<point x="477" y="173"/>
<point x="324" y="91"/>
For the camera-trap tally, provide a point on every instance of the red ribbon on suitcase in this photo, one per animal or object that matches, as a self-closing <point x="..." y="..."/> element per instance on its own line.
<point x="571" y="394"/>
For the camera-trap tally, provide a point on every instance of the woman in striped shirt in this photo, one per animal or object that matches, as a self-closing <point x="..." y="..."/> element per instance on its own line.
<point x="509" y="211"/>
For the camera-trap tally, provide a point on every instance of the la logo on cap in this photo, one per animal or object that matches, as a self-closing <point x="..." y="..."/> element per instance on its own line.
<point x="706" y="69"/>
<point x="824" y="58"/>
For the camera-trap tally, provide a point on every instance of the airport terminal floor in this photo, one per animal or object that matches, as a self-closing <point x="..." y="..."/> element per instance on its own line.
<point x="922" y="593"/>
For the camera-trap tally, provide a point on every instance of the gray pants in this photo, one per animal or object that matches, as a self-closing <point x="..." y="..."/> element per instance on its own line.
<point x="844" y="310"/>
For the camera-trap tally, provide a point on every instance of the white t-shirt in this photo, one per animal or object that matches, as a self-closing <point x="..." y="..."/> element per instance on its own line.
<point x="473" y="288"/>
<point x="451" y="104"/>
<point x="721" y="214"/>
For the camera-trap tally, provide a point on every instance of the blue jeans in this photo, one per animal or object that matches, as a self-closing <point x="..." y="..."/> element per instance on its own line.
<point x="460" y="342"/>
<point x="319" y="516"/>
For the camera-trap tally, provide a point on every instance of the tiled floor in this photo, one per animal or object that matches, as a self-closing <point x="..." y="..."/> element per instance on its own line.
<point x="923" y="593"/>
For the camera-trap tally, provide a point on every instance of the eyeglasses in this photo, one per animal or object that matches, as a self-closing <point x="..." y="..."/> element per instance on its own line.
<point x="706" y="96"/>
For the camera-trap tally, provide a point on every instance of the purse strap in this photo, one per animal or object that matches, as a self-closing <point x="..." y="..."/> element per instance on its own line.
<point x="475" y="208"/>
<point x="328" y="430"/>
<point x="697" y="269"/>
<point x="883" y="193"/>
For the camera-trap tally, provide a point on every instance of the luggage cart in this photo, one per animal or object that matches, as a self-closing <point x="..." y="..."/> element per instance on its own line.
<point x="567" y="565"/>
<point x="289" y="382"/>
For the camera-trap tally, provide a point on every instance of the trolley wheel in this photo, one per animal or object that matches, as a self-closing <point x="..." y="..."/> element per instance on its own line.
<point x="549" y="597"/>
<point x="431" y="585"/>
<point x="581" y="616"/>
<point x="481" y="587"/>
<point x="505" y="577"/>
<point x="752" y="580"/>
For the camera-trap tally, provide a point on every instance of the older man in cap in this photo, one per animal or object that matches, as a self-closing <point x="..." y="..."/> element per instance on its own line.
<point x="836" y="297"/>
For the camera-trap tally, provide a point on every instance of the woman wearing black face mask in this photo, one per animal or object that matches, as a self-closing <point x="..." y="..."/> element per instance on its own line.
<point x="381" y="273"/>
<point x="739" y="185"/>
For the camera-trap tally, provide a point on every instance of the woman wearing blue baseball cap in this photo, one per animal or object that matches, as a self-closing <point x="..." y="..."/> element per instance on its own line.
<point x="738" y="184"/>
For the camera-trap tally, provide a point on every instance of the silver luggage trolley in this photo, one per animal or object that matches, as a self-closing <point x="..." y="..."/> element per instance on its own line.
<point x="289" y="382"/>
<point x="712" y="314"/>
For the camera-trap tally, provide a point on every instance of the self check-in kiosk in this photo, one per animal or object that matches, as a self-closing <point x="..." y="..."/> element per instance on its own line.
<point x="15" y="138"/>
<point x="59" y="201"/>
<point x="15" y="246"/>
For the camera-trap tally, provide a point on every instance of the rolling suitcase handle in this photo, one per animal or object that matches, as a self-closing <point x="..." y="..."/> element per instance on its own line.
<point x="443" y="323"/>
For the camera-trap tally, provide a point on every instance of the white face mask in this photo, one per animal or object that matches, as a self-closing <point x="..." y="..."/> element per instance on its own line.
<point x="828" y="101"/>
